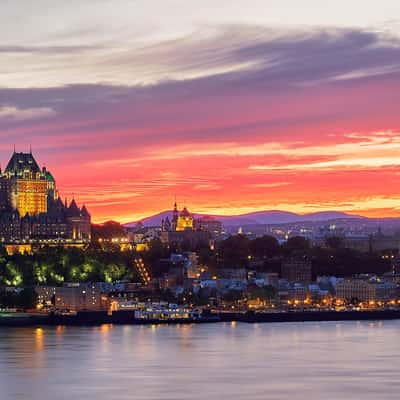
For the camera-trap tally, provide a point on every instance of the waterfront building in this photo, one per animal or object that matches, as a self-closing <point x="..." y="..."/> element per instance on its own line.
<point x="318" y="295"/>
<point x="271" y="278"/>
<point x="82" y="296"/>
<point x="386" y="291"/>
<point x="45" y="296"/>
<point x="297" y="293"/>
<point x="74" y="296"/>
<point x="355" y="290"/>
<point x="392" y="277"/>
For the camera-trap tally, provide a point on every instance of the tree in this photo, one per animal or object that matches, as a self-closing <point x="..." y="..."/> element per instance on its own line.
<point x="113" y="272"/>
<point x="263" y="247"/>
<point x="263" y="293"/>
<point x="232" y="296"/>
<point x="108" y="230"/>
<point x="296" y="245"/>
<point x="27" y="298"/>
<point x="235" y="251"/>
<point x="156" y="251"/>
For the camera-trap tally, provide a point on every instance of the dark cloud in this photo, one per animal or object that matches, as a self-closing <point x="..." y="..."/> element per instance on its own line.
<point x="281" y="67"/>
<point x="323" y="55"/>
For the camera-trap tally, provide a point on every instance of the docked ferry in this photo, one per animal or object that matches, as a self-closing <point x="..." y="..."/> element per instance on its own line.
<point x="167" y="312"/>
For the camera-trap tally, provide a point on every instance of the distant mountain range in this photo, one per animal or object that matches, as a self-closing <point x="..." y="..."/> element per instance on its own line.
<point x="259" y="217"/>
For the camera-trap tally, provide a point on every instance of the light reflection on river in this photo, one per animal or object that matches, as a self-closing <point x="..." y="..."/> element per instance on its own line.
<point x="346" y="360"/>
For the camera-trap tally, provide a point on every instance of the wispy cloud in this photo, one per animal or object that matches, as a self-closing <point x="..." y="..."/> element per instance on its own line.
<point x="19" y="114"/>
<point x="49" y="50"/>
<point x="271" y="58"/>
<point x="230" y="119"/>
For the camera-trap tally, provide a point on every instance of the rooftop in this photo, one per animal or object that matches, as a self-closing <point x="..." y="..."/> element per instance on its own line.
<point x="21" y="162"/>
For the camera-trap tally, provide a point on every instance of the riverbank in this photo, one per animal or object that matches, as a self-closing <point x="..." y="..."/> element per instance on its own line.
<point x="85" y="318"/>
<point x="310" y="316"/>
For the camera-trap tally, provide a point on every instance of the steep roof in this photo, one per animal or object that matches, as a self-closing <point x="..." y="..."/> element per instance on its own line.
<point x="73" y="209"/>
<point x="21" y="162"/>
<point x="59" y="203"/>
<point x="85" y="212"/>
<point x="55" y="208"/>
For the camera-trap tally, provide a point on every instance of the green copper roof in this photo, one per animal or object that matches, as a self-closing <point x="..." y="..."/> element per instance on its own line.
<point x="49" y="177"/>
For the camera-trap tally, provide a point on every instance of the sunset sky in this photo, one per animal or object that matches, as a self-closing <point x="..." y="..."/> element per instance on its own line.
<point x="231" y="106"/>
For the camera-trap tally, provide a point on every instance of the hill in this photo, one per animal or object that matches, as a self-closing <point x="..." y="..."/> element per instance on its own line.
<point x="258" y="217"/>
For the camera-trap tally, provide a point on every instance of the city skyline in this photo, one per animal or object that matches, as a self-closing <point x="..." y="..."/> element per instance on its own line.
<point x="274" y="107"/>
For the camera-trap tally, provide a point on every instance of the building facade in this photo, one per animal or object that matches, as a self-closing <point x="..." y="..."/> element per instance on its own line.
<point x="351" y="290"/>
<point x="297" y="270"/>
<point x="73" y="296"/>
<point x="184" y="227"/>
<point x="208" y="224"/>
<point x="31" y="209"/>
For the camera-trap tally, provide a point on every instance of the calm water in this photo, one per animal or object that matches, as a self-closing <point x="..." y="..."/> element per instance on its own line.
<point x="349" y="360"/>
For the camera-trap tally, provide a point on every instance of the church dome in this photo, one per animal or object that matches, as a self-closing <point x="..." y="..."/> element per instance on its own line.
<point x="185" y="212"/>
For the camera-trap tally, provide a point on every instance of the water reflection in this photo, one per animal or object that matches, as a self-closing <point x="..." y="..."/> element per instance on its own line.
<point x="60" y="329"/>
<point x="349" y="360"/>
<point x="39" y="339"/>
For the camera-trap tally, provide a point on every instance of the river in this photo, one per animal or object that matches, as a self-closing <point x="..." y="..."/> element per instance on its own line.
<point x="324" y="360"/>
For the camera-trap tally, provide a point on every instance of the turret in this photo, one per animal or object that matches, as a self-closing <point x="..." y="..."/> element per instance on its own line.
<point x="73" y="209"/>
<point x="85" y="212"/>
<point x="175" y="216"/>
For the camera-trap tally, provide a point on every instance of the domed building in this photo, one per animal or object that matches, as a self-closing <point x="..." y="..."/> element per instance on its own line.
<point x="183" y="227"/>
<point x="185" y="221"/>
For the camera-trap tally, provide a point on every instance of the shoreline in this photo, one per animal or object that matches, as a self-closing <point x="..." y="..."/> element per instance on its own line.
<point x="127" y="318"/>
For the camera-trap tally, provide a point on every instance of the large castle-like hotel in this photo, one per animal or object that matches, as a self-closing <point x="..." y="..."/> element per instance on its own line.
<point x="31" y="210"/>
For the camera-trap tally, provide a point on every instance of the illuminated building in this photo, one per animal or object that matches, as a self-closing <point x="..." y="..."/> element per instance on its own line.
<point x="167" y="312"/>
<point x="364" y="291"/>
<point x="182" y="229"/>
<point x="28" y="186"/>
<point x="31" y="210"/>
<point x="355" y="289"/>
<point x="73" y="296"/>
<point x="185" y="221"/>
<point x="181" y="221"/>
